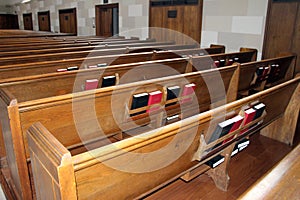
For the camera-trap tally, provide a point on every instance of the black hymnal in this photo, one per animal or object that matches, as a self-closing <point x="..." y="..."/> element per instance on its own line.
<point x="138" y="101"/>
<point x="108" y="81"/>
<point x="173" y="92"/>
<point x="259" y="110"/>
<point x="222" y="129"/>
<point x="72" y="68"/>
<point x="242" y="144"/>
<point x="215" y="161"/>
<point x="222" y="63"/>
<point x="102" y="65"/>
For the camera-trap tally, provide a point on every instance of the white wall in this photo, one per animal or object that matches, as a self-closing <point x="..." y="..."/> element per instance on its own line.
<point x="234" y="23"/>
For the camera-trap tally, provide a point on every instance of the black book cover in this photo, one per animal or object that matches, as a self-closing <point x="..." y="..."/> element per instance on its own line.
<point x="108" y="81"/>
<point x="222" y="62"/>
<point x="138" y="101"/>
<point x="222" y="129"/>
<point x="215" y="161"/>
<point x="173" y="92"/>
<point x="72" y="68"/>
<point x="259" y="110"/>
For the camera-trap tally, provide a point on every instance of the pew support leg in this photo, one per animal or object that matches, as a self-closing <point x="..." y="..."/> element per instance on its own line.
<point x="220" y="173"/>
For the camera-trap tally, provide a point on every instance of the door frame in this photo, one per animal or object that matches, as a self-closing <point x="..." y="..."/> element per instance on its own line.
<point x="98" y="14"/>
<point x="28" y="15"/>
<point x="68" y="10"/>
<point x="44" y="13"/>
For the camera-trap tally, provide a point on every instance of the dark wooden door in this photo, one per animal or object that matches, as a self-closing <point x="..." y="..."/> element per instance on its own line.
<point x="282" y="33"/>
<point x="27" y="18"/>
<point x="178" y="16"/>
<point x="107" y="20"/>
<point x="44" y="21"/>
<point x="68" y="21"/>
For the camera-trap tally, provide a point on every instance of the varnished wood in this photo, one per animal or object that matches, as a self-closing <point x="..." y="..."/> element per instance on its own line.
<point x="281" y="182"/>
<point x="85" y="164"/>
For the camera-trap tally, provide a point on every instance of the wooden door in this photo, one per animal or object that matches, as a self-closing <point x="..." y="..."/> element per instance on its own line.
<point x="178" y="16"/>
<point x="107" y="20"/>
<point x="44" y="21"/>
<point x="282" y="32"/>
<point x="27" y="18"/>
<point x="68" y="21"/>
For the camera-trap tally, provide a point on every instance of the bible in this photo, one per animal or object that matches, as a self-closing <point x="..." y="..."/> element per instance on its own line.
<point x="154" y="98"/>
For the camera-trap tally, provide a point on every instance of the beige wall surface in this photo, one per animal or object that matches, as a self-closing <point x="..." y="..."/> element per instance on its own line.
<point x="234" y="23"/>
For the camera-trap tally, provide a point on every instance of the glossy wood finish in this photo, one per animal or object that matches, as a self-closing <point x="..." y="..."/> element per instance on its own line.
<point x="68" y="21"/>
<point x="87" y="165"/>
<point x="281" y="182"/>
<point x="62" y="107"/>
<point x="44" y="21"/>
<point x="104" y="19"/>
<point x="182" y="30"/>
<point x="244" y="170"/>
<point x="281" y="36"/>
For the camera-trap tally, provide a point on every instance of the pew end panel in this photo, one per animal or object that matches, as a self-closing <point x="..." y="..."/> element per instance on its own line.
<point x="51" y="161"/>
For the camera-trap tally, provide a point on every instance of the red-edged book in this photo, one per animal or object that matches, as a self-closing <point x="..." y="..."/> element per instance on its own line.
<point x="237" y="123"/>
<point x="249" y="116"/>
<point x="188" y="90"/>
<point x="154" y="98"/>
<point x="91" y="84"/>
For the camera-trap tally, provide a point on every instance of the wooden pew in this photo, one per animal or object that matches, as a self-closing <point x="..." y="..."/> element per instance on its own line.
<point x="250" y="83"/>
<point x="23" y="48"/>
<point x="16" y="72"/>
<point x="18" y="112"/>
<point x="281" y="182"/>
<point x="133" y="43"/>
<point x="115" y="171"/>
<point x="92" y="53"/>
<point x="27" y="33"/>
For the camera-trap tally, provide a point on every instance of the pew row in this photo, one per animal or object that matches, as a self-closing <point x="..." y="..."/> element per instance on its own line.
<point x="91" y="53"/>
<point x="106" y="46"/>
<point x="197" y="62"/>
<point x="130" y="168"/>
<point x="21" y="108"/>
<point x="281" y="182"/>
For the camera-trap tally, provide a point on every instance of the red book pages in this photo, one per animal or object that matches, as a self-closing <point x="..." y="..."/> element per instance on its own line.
<point x="237" y="123"/>
<point x="249" y="116"/>
<point x="154" y="98"/>
<point x="187" y="91"/>
<point x="91" y="84"/>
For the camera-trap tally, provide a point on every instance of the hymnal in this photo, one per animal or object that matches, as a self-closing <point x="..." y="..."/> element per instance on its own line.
<point x="259" y="108"/>
<point x="222" y="129"/>
<point x="108" y="81"/>
<point x="215" y="161"/>
<point x="230" y="62"/>
<point x="188" y="90"/>
<point x="222" y="62"/>
<point x="173" y="92"/>
<point x="172" y="117"/>
<point x="237" y="120"/>
<point x="234" y="152"/>
<point x="244" y="142"/>
<point x="249" y="116"/>
<point x="138" y="101"/>
<point x="102" y="65"/>
<point x="236" y="59"/>
<point x="91" y="84"/>
<point x="72" y="68"/>
<point x="217" y="63"/>
<point x="154" y="98"/>
<point x="92" y="66"/>
<point x="61" y="70"/>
